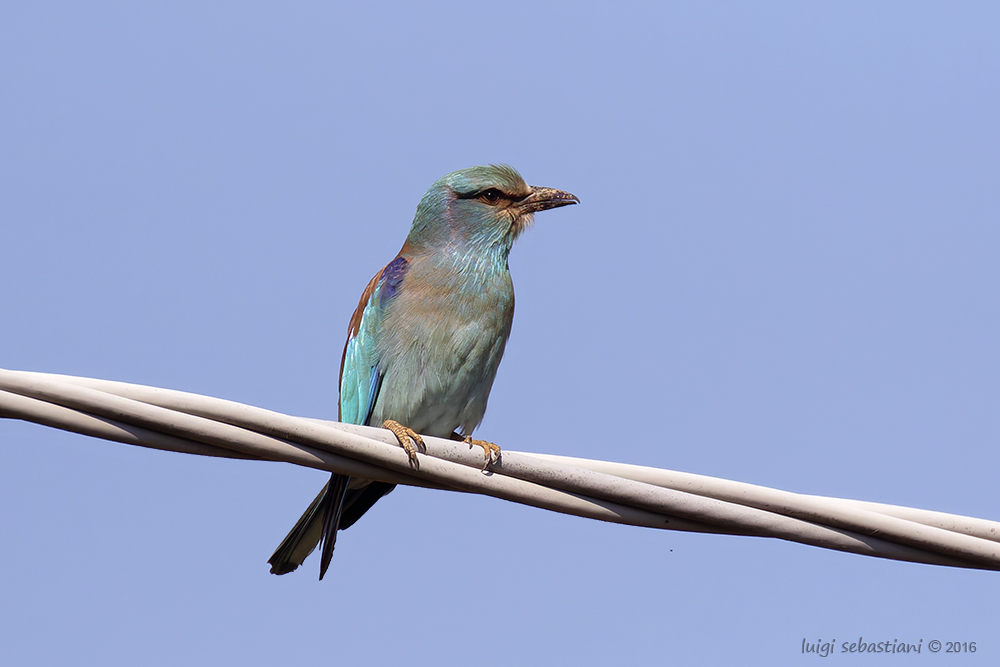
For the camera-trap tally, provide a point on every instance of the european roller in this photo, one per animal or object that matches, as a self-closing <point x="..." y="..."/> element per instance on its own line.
<point x="425" y="341"/>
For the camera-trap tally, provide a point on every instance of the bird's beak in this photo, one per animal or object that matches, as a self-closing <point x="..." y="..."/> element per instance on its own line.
<point x="542" y="199"/>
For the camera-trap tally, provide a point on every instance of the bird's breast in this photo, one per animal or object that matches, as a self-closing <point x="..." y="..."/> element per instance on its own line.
<point x="441" y="344"/>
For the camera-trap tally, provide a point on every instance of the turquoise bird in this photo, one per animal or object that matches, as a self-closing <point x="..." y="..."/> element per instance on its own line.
<point x="425" y="341"/>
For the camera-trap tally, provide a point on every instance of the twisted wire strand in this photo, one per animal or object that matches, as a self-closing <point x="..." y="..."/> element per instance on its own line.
<point x="616" y="492"/>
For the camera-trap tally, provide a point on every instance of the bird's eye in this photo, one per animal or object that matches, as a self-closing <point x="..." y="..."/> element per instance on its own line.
<point x="491" y="196"/>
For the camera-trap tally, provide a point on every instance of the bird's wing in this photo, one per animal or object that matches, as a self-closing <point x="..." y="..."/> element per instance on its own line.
<point x="338" y="506"/>
<point x="360" y="376"/>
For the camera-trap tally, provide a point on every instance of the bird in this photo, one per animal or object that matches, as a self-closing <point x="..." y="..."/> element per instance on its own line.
<point x="426" y="339"/>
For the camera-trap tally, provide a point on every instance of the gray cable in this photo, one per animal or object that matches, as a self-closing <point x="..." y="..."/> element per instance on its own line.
<point x="621" y="493"/>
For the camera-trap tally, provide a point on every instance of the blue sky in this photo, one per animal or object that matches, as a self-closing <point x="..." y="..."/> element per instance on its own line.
<point x="783" y="271"/>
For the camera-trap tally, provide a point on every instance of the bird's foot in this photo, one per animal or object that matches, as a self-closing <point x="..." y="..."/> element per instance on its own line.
<point x="408" y="439"/>
<point x="490" y="451"/>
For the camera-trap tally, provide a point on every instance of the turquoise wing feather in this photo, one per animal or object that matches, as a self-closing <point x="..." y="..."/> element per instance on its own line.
<point x="360" y="376"/>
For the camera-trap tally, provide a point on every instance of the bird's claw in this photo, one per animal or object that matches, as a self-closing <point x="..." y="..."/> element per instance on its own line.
<point x="490" y="450"/>
<point x="408" y="439"/>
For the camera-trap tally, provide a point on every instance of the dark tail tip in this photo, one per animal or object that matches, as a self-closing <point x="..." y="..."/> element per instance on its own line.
<point x="283" y="568"/>
<point x="333" y="505"/>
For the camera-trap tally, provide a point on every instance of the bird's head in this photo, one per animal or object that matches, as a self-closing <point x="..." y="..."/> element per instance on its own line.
<point x="484" y="207"/>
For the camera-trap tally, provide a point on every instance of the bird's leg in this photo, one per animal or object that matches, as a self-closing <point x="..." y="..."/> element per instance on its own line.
<point x="408" y="439"/>
<point x="490" y="450"/>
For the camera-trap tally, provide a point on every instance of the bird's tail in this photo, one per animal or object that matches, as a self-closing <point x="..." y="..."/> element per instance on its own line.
<point x="335" y="508"/>
<point x="308" y="530"/>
